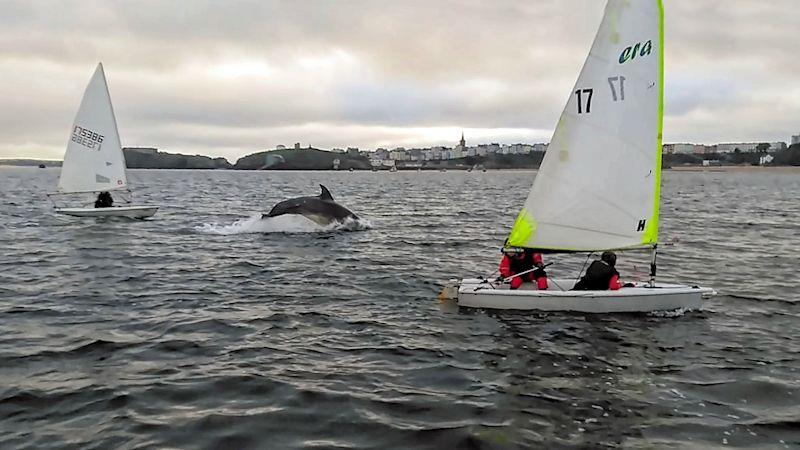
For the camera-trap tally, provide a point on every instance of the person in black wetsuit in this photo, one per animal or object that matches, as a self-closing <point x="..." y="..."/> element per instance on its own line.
<point x="104" y="200"/>
<point x="601" y="275"/>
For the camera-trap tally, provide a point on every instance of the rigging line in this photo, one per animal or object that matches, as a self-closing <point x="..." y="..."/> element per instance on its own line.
<point x="584" y="266"/>
<point x="551" y="280"/>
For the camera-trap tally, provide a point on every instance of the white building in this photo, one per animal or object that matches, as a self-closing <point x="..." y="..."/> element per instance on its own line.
<point x="539" y="147"/>
<point x="399" y="154"/>
<point x="525" y="149"/>
<point x="686" y="149"/>
<point x="776" y="146"/>
<point x="744" y="147"/>
<point x="796" y="139"/>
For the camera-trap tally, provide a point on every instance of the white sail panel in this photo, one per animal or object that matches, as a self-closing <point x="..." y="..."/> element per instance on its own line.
<point x="598" y="185"/>
<point x="93" y="160"/>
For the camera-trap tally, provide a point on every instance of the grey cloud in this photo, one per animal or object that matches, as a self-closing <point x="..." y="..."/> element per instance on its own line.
<point x="404" y="66"/>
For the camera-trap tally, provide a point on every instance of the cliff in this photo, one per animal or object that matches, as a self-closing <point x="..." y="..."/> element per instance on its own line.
<point x="301" y="159"/>
<point x="151" y="158"/>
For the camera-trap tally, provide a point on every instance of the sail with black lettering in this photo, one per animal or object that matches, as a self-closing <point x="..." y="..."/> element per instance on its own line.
<point x="599" y="184"/>
<point x="93" y="160"/>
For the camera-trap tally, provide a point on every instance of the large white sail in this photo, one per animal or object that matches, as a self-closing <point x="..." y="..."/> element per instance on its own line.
<point x="599" y="183"/>
<point x="93" y="160"/>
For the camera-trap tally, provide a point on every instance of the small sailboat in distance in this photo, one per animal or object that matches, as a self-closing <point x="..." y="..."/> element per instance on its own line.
<point x="94" y="161"/>
<point x="598" y="188"/>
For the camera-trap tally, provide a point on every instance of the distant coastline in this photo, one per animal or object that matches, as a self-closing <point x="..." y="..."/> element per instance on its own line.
<point x="739" y="168"/>
<point x="352" y="159"/>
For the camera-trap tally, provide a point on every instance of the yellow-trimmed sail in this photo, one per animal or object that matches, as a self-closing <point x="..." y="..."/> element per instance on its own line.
<point x="599" y="184"/>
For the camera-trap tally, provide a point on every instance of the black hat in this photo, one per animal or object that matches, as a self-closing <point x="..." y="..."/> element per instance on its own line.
<point x="609" y="258"/>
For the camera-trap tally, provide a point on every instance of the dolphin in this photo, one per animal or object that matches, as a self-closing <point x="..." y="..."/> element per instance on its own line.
<point x="321" y="209"/>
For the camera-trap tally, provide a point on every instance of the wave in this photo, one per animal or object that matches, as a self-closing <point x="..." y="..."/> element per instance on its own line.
<point x="680" y="312"/>
<point x="287" y="223"/>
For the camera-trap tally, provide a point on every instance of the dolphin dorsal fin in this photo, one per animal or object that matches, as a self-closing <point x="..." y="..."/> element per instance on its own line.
<point x="325" y="194"/>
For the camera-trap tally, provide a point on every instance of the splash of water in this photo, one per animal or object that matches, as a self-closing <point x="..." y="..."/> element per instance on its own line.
<point x="680" y="312"/>
<point x="287" y="223"/>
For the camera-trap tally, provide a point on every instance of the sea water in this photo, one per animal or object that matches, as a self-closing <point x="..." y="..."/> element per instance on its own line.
<point x="207" y="327"/>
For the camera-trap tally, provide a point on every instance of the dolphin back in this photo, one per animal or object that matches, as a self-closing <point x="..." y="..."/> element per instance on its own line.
<point x="321" y="209"/>
<point x="290" y="206"/>
<point x="325" y="194"/>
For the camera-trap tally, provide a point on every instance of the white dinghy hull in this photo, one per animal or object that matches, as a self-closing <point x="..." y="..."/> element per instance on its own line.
<point x="131" y="212"/>
<point x="475" y="293"/>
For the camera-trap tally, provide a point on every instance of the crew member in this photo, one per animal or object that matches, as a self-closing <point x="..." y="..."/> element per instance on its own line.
<point x="516" y="262"/>
<point x="104" y="200"/>
<point x="601" y="275"/>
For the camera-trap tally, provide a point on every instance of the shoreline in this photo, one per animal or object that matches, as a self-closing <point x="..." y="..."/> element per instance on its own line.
<point x="734" y="168"/>
<point x="717" y="169"/>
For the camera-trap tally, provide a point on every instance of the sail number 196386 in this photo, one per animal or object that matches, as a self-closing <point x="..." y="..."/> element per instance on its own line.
<point x="86" y="138"/>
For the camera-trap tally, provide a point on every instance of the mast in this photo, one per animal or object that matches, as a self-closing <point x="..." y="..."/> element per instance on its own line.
<point x="653" y="256"/>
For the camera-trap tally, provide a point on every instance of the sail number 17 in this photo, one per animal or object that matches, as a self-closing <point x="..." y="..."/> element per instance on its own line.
<point x="588" y="93"/>
<point x="611" y="82"/>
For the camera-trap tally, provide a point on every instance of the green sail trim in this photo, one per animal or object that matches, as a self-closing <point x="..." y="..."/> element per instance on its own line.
<point x="650" y="235"/>
<point x="523" y="230"/>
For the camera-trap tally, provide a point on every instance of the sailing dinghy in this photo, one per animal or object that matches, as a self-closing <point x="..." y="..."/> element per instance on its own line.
<point x="94" y="161"/>
<point x="598" y="187"/>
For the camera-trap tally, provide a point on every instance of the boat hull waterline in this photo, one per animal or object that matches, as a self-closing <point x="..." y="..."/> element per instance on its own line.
<point x="132" y="212"/>
<point x="476" y="293"/>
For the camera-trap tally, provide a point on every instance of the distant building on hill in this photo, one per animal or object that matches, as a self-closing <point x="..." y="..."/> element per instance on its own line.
<point x="743" y="147"/>
<point x="381" y="154"/>
<point x="776" y="146"/>
<point x="399" y="154"/>
<point x="686" y="149"/>
<point x="796" y="139"/>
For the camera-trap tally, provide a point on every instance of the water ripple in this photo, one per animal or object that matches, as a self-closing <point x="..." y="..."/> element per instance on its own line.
<point x="208" y="327"/>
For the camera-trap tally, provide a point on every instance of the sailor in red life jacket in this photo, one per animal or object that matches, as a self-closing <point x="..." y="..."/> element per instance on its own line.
<point x="515" y="262"/>
<point x="601" y="275"/>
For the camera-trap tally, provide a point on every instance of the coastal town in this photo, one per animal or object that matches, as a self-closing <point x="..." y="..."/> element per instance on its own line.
<point x="459" y="157"/>
<point x="524" y="155"/>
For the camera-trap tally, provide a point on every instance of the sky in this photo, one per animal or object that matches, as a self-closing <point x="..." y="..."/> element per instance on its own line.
<point x="229" y="78"/>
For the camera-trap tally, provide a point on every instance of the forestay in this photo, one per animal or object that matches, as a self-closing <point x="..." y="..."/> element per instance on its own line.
<point x="93" y="160"/>
<point x="599" y="183"/>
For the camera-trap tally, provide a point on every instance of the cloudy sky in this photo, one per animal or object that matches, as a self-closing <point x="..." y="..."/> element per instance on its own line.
<point x="227" y="78"/>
